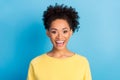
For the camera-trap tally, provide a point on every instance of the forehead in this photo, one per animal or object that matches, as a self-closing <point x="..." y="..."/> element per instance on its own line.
<point x="59" y="24"/>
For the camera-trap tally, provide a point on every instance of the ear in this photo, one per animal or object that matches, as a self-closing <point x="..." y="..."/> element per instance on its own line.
<point x="71" y="32"/>
<point x="47" y="32"/>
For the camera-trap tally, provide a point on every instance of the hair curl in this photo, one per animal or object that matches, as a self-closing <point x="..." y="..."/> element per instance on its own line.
<point x="61" y="12"/>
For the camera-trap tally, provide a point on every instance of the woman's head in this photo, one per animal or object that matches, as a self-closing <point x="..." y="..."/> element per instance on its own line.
<point x="60" y="22"/>
<point x="61" y="12"/>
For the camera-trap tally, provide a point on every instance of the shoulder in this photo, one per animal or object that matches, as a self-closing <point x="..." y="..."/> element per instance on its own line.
<point x="37" y="59"/>
<point x="82" y="59"/>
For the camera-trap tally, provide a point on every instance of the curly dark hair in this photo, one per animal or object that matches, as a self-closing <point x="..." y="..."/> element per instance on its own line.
<point x="61" y="12"/>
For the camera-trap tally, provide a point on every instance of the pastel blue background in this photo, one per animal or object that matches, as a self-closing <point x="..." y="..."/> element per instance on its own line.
<point x="22" y="36"/>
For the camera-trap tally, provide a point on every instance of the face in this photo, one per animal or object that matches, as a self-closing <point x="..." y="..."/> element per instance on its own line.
<point x="59" y="33"/>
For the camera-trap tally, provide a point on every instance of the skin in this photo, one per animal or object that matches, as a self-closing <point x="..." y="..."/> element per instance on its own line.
<point x="59" y="34"/>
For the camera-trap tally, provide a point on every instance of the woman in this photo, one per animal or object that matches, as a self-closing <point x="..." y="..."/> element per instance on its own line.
<point x="60" y="63"/>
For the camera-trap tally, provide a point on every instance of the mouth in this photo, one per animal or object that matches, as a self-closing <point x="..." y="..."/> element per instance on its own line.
<point x="60" y="43"/>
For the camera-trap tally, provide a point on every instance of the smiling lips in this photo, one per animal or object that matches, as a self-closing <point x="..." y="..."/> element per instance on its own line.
<point x="60" y="43"/>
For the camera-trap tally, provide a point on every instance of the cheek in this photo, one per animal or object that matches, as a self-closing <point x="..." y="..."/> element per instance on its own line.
<point x="68" y="36"/>
<point x="52" y="37"/>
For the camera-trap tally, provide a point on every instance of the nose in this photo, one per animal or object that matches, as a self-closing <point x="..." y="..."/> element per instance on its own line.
<point x="59" y="36"/>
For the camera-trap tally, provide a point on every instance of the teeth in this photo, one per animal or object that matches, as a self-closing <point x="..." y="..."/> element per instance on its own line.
<point x="59" y="42"/>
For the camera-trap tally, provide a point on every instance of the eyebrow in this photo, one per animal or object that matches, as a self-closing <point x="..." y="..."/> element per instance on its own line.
<point x="65" y="28"/>
<point x="52" y="29"/>
<point x="56" y="29"/>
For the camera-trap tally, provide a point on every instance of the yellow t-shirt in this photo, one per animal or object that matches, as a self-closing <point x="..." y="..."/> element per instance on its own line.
<point x="45" y="67"/>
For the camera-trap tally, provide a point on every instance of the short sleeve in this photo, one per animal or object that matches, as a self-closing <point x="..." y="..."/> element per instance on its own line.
<point x="31" y="75"/>
<point x="87" y="75"/>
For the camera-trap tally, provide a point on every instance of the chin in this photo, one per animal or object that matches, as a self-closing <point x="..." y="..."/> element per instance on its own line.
<point x="59" y="48"/>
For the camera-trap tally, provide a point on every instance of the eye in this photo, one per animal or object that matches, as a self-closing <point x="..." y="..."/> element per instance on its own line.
<point x="54" y="32"/>
<point x="65" y="31"/>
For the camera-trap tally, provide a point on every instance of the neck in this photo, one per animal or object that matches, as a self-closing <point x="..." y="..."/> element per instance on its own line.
<point x="60" y="53"/>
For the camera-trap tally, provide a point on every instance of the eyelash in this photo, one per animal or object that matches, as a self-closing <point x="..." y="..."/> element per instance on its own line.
<point x="65" y="31"/>
<point x="54" y="32"/>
